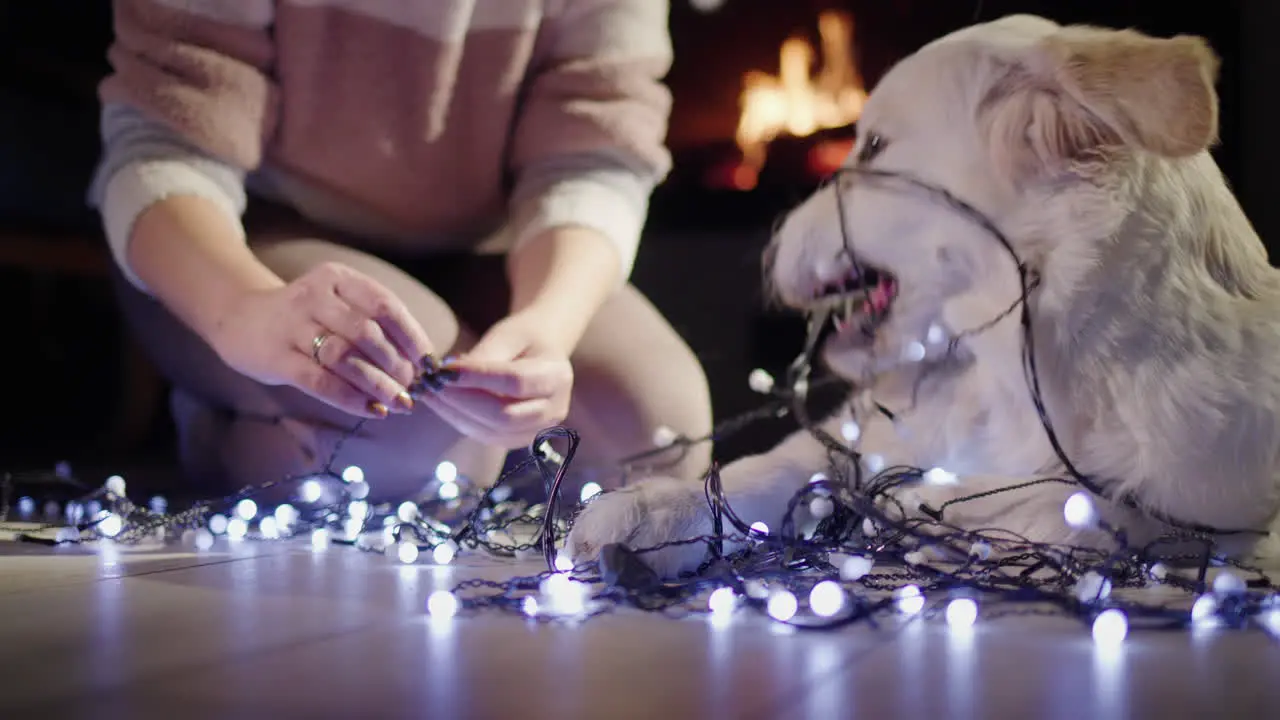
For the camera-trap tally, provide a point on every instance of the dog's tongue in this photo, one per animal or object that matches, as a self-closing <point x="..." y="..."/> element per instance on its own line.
<point x="880" y="295"/>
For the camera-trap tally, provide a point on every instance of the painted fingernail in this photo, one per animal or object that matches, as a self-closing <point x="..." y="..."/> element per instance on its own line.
<point x="378" y="409"/>
<point x="448" y="360"/>
<point x="404" y="400"/>
<point x="428" y="362"/>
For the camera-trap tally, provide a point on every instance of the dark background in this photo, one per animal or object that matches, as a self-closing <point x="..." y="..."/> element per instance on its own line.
<point x="75" y="388"/>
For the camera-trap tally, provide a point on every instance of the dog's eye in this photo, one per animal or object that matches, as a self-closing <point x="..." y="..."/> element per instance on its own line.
<point x="873" y="146"/>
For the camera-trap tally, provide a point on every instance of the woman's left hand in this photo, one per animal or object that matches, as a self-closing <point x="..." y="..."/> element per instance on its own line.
<point x="515" y="383"/>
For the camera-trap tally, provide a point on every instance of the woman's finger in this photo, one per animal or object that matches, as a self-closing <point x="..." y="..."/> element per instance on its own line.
<point x="364" y="334"/>
<point x="525" y="378"/>
<point x="339" y="357"/>
<point x="325" y="386"/>
<point x="388" y="311"/>
<point x="467" y="425"/>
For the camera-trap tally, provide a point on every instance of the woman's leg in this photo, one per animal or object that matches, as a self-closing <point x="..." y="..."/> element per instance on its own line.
<point x="235" y="432"/>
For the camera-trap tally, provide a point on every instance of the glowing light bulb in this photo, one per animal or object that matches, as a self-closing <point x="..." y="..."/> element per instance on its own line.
<point x="1159" y="572"/>
<point x="855" y="567"/>
<point x="237" y="528"/>
<point x="782" y="605"/>
<point x="938" y="476"/>
<point x="1092" y="587"/>
<point x="352" y="474"/>
<point x="444" y="553"/>
<point x="1078" y="511"/>
<point x="320" y="539"/>
<point x="1110" y="627"/>
<point x="75" y="512"/>
<point x="407" y="512"/>
<point x="529" y="605"/>
<point x="914" y="557"/>
<point x="935" y="335"/>
<point x="286" y="515"/>
<point x="962" y="613"/>
<point x="218" y="524"/>
<point x="759" y="528"/>
<point x="589" y="490"/>
<point x="873" y="463"/>
<point x="850" y="431"/>
<point x="909" y="599"/>
<point x="821" y="507"/>
<point x="563" y="562"/>
<point x="110" y="525"/>
<point x="980" y="551"/>
<point x="760" y="381"/>
<point x="26" y="507"/>
<point x="1228" y="583"/>
<point x="442" y="604"/>
<point x="115" y="485"/>
<point x="565" y="596"/>
<point x="246" y="509"/>
<point x="358" y="510"/>
<point x="913" y="351"/>
<point x="722" y="601"/>
<point x="664" y="437"/>
<point x="407" y="552"/>
<point x="449" y="491"/>
<point x="268" y="529"/>
<point x="356" y="490"/>
<point x="447" y="472"/>
<point x="203" y="539"/>
<point x="817" y="478"/>
<point x="158" y="505"/>
<point x="826" y="599"/>
<point x="1204" y="612"/>
<point x="310" y="491"/>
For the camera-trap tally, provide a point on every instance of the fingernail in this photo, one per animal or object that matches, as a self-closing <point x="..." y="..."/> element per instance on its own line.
<point x="428" y="362"/>
<point x="404" y="400"/>
<point x="449" y="360"/>
<point x="378" y="409"/>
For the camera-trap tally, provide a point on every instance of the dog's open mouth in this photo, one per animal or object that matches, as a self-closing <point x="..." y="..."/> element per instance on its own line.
<point x="861" y="300"/>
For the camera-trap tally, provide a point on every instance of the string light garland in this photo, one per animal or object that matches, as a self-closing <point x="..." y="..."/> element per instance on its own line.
<point x="857" y="557"/>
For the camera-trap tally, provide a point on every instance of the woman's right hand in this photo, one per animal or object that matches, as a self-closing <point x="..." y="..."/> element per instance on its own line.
<point x="334" y="333"/>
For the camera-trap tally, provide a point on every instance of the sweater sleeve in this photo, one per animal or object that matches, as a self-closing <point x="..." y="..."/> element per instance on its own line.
<point x="589" y="145"/>
<point x="186" y="109"/>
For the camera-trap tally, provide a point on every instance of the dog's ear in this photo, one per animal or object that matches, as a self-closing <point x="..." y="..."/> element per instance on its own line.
<point x="1083" y="91"/>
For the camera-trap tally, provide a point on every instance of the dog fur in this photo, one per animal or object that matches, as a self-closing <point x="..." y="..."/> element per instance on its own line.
<point x="1157" y="315"/>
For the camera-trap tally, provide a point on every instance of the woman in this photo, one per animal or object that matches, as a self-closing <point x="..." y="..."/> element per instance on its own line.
<point x="460" y="178"/>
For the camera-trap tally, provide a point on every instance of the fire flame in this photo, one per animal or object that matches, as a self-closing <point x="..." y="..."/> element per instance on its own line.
<point x="795" y="102"/>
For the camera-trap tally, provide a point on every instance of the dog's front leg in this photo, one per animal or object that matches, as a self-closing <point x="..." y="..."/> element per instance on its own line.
<point x="657" y="511"/>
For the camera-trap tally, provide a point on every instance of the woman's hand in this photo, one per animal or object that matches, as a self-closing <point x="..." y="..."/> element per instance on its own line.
<point x="333" y="333"/>
<point x="515" y="383"/>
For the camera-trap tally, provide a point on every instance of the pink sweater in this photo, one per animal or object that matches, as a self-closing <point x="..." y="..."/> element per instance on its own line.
<point x="422" y="125"/>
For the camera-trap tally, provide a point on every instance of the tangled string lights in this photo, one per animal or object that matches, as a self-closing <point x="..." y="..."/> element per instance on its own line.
<point x="851" y="558"/>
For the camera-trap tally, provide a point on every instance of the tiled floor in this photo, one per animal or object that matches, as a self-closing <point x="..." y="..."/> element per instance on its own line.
<point x="279" y="631"/>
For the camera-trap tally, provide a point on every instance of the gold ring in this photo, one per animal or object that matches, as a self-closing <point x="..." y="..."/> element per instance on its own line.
<point x="317" y="344"/>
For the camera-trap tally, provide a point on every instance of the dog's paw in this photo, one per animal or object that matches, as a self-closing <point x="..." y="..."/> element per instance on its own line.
<point x="642" y="516"/>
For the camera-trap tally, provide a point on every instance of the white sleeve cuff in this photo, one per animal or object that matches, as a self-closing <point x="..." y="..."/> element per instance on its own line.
<point x="139" y="185"/>
<point x="613" y="203"/>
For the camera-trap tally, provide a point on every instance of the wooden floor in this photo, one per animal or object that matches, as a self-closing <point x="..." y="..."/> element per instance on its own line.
<point x="278" y="631"/>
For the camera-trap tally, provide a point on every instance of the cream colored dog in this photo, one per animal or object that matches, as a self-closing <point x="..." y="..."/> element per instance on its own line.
<point x="1156" y="315"/>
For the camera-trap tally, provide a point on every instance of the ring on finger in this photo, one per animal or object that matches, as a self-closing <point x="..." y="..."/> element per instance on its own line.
<point x="317" y="344"/>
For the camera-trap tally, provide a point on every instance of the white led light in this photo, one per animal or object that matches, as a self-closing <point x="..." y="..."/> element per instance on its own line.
<point x="565" y="596"/>
<point x="722" y="601"/>
<point x="357" y="491"/>
<point x="782" y="605"/>
<point x="1228" y="583"/>
<point x="246" y="509"/>
<point x="319" y="539"/>
<point x="203" y="539"/>
<point x="1110" y="627"/>
<point x="448" y="491"/>
<point x="110" y="525"/>
<point x="237" y="528"/>
<point x="407" y="512"/>
<point x="407" y="552"/>
<point x="909" y="599"/>
<point x="268" y="528"/>
<point x="935" y="335"/>
<point x="310" y="491"/>
<point x="664" y="437"/>
<point x="759" y="528"/>
<point x="447" y="472"/>
<point x="1205" y="611"/>
<point x="850" y="431"/>
<point x="115" y="485"/>
<point x="529" y="605"/>
<point x="563" y="562"/>
<point x="444" y="553"/>
<point x="589" y="490"/>
<point x="442" y="604"/>
<point x="218" y="524"/>
<point x="962" y="613"/>
<point x="1158" y="572"/>
<point x="353" y="474"/>
<point x="817" y="478"/>
<point x="1092" y="587"/>
<point x="26" y="507"/>
<point x="938" y="476"/>
<point x="873" y="463"/>
<point x="855" y="567"/>
<point x="760" y="381"/>
<point x="826" y="599"/>
<point x="1078" y="511"/>
<point x="913" y="351"/>
<point x="157" y="505"/>
<point x="980" y="551"/>
<point x="914" y="557"/>
<point x="821" y="507"/>
<point x="358" y="510"/>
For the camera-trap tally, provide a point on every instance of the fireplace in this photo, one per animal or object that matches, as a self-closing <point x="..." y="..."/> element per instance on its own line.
<point x="766" y="99"/>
